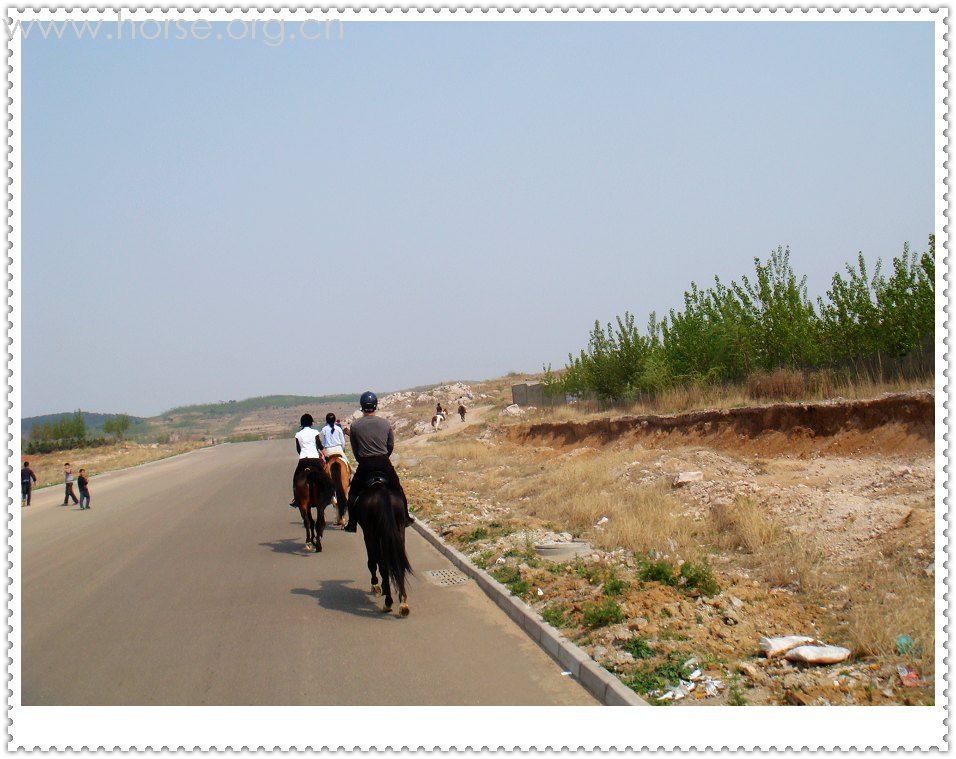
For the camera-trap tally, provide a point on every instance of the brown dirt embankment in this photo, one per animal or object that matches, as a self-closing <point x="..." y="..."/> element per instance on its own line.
<point x="889" y="423"/>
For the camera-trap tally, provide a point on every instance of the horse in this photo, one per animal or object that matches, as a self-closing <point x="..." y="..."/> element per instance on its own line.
<point x="461" y="411"/>
<point x="436" y="421"/>
<point x="381" y="514"/>
<point x="340" y="473"/>
<point x="313" y="489"/>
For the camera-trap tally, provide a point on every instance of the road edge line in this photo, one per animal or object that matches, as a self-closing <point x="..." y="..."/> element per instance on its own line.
<point x="600" y="683"/>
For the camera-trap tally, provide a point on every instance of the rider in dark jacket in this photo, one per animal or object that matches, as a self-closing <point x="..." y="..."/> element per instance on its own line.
<point x="372" y="443"/>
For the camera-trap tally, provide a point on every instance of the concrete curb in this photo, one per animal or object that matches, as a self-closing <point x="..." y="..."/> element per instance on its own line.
<point x="604" y="686"/>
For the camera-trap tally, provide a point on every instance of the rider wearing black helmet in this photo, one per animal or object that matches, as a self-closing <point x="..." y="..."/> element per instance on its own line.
<point x="310" y="452"/>
<point x="372" y="443"/>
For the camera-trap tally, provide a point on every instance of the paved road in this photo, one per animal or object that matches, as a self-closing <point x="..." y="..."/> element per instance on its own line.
<point x="187" y="584"/>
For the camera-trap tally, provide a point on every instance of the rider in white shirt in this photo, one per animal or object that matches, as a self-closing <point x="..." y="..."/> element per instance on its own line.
<point x="307" y="444"/>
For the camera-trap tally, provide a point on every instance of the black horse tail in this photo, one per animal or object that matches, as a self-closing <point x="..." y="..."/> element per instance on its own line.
<point x="383" y="511"/>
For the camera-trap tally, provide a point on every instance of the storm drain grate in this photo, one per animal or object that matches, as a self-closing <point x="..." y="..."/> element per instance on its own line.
<point x="445" y="577"/>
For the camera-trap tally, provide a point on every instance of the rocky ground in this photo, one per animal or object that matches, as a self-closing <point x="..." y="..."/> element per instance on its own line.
<point x="679" y="584"/>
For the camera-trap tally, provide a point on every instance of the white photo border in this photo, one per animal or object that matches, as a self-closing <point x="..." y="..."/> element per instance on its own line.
<point x="525" y="728"/>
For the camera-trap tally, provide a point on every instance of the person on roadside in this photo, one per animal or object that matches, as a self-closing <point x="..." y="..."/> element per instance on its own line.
<point x="83" y="484"/>
<point x="307" y="445"/>
<point x="372" y="442"/>
<point x="68" y="482"/>
<point x="27" y="481"/>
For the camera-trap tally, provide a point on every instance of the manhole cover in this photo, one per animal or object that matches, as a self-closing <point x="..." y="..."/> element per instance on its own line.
<point x="445" y="577"/>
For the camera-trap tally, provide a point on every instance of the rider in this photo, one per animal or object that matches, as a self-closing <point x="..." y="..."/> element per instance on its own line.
<point x="372" y="444"/>
<point x="333" y="439"/>
<point x="307" y="448"/>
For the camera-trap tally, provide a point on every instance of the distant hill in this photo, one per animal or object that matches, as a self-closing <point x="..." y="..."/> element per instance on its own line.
<point x="262" y="402"/>
<point x="93" y="420"/>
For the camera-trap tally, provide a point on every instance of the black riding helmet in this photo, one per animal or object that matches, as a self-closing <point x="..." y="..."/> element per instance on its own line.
<point x="368" y="401"/>
<point x="306" y="420"/>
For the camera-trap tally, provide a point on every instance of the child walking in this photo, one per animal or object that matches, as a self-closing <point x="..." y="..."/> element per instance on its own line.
<point x="84" y="485"/>
<point x="68" y="481"/>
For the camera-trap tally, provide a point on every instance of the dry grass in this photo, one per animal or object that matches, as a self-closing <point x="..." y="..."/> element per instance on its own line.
<point x="744" y="525"/>
<point x="883" y="606"/>
<point x="49" y="466"/>
<point x="776" y="387"/>
<point x="783" y="384"/>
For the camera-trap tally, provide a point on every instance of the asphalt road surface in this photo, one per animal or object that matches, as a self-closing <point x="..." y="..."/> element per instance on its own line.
<point x="187" y="583"/>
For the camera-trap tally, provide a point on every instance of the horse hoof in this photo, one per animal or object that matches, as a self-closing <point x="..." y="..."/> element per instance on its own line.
<point x="386" y="609"/>
<point x="308" y="546"/>
<point x="403" y="610"/>
<point x="318" y="548"/>
<point x="376" y="590"/>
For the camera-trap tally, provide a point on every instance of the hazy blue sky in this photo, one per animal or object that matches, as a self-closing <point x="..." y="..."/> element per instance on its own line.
<point x="422" y="201"/>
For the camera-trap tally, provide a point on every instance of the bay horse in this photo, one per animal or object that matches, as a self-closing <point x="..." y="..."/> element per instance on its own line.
<point x="381" y="514"/>
<point x="313" y="489"/>
<point x="340" y="473"/>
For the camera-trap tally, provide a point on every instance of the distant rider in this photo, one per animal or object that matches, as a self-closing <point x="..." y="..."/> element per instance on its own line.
<point x="307" y="448"/>
<point x="372" y="443"/>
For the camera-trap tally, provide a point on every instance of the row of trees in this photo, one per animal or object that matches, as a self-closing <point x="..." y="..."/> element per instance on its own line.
<point x="727" y="332"/>
<point x="67" y="428"/>
<point x="71" y="432"/>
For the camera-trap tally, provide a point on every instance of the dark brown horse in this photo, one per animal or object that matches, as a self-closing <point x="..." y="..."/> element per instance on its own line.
<point x="381" y="514"/>
<point x="313" y="490"/>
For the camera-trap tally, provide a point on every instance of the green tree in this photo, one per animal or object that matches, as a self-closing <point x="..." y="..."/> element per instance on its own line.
<point x="117" y="426"/>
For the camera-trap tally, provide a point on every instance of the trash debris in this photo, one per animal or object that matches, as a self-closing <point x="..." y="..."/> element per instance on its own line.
<point x="702" y="686"/>
<point x="904" y="645"/>
<point x="775" y="646"/>
<point x="540" y="592"/>
<point x="565" y="673"/>
<point x="818" y="654"/>
<point x="602" y="521"/>
<point x="930" y="569"/>
<point x="683" y="478"/>
<point x="909" y="677"/>
<point x="501" y="560"/>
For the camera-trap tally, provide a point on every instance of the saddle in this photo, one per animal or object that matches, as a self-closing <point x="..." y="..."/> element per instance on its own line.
<point x="377" y="478"/>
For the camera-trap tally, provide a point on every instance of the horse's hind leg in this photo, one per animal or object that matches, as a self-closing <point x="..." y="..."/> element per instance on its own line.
<point x="306" y="518"/>
<point x="319" y="527"/>
<point x="386" y="587"/>
<point x="402" y="595"/>
<point x="372" y="563"/>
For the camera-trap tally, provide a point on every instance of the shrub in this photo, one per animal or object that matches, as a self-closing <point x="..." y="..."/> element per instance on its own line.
<point x="698" y="576"/>
<point x="615" y="586"/>
<point x="602" y="613"/>
<point x="661" y="571"/>
<point x="650" y="677"/>
<point x="479" y="533"/>
<point x="639" y="648"/>
<point x="510" y="577"/>
<point x="556" y="615"/>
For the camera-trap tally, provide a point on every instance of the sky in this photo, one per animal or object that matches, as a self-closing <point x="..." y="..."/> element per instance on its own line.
<point x="210" y="220"/>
